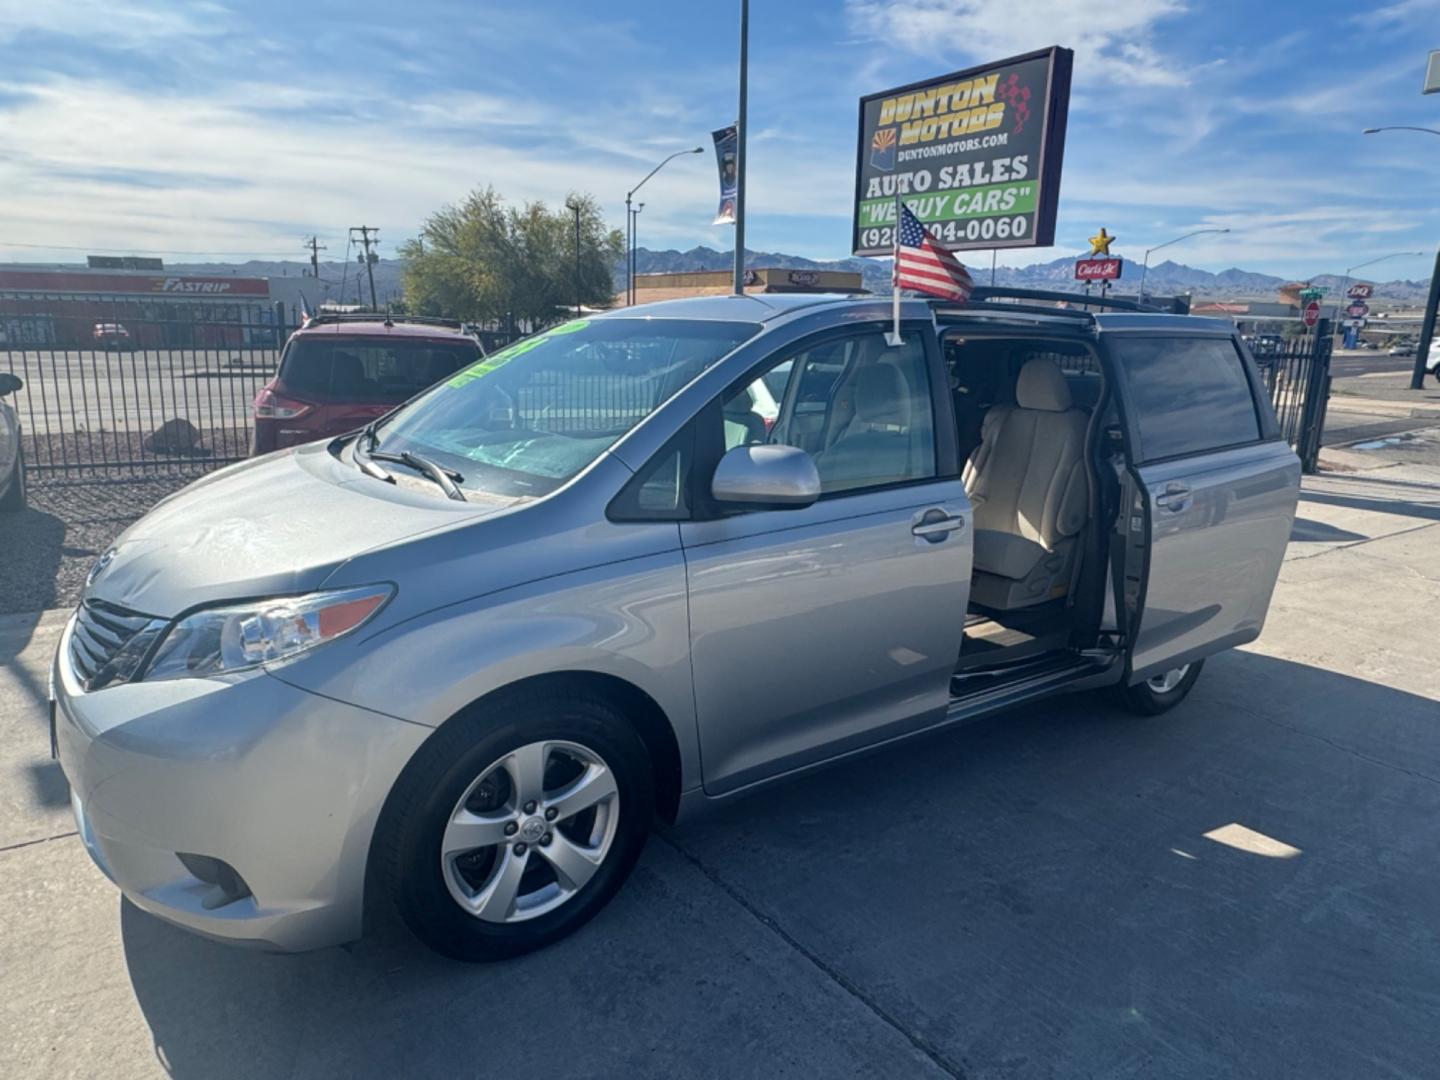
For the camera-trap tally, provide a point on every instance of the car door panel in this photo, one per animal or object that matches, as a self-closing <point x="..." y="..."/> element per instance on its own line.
<point x="817" y="631"/>
<point x="1218" y="526"/>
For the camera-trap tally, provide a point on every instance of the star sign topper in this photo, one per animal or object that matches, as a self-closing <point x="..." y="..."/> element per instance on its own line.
<point x="1100" y="245"/>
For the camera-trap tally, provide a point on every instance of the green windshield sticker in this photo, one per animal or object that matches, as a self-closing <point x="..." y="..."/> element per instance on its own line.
<point x="493" y="361"/>
<point x="504" y="356"/>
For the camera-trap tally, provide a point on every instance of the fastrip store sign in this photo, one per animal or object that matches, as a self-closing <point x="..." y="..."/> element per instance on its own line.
<point x="1106" y="269"/>
<point x="64" y="282"/>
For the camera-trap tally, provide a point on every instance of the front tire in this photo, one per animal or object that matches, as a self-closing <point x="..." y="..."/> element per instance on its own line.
<point x="1159" y="693"/>
<point x="515" y="823"/>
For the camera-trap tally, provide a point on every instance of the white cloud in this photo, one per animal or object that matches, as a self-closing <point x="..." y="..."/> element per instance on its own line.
<point x="1401" y="13"/>
<point x="115" y="22"/>
<point x="1112" y="40"/>
<point x="216" y="173"/>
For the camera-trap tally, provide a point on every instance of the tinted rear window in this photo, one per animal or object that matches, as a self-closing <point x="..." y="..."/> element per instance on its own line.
<point x="1189" y="395"/>
<point x="358" y="369"/>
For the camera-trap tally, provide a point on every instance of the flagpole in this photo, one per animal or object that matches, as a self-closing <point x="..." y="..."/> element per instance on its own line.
<point x="893" y="338"/>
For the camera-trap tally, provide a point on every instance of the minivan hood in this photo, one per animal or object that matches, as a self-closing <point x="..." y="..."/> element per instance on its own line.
<point x="271" y="526"/>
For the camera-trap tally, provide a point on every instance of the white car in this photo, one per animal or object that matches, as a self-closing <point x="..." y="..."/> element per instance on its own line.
<point x="1432" y="362"/>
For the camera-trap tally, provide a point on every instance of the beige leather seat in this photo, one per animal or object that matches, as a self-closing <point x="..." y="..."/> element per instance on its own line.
<point x="1030" y="488"/>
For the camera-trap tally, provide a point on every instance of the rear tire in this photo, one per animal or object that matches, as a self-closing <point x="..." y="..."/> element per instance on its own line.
<point x="471" y="775"/>
<point x="13" y="501"/>
<point x="1160" y="693"/>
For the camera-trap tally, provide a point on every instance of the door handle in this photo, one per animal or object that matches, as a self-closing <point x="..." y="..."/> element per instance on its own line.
<point x="936" y="529"/>
<point x="1176" y="496"/>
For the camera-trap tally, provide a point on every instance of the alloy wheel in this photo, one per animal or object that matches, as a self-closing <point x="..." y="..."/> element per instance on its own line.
<point x="1168" y="680"/>
<point x="530" y="831"/>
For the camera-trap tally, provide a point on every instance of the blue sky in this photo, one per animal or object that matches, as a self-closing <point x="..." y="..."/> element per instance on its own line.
<point x="240" y="127"/>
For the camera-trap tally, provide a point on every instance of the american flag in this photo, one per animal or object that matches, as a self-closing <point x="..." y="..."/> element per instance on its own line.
<point x="923" y="265"/>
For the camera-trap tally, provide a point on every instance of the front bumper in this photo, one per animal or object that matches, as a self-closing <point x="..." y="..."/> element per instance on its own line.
<point x="283" y="785"/>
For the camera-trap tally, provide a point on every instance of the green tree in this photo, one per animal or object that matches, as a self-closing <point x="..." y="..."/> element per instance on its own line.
<point x="485" y="260"/>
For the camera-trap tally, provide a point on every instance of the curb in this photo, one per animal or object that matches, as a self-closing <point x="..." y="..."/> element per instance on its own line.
<point x="1383" y="407"/>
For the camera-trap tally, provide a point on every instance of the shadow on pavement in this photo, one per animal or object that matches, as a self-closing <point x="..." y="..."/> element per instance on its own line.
<point x="1307" y="531"/>
<point x="1378" y="505"/>
<point x="31" y="544"/>
<point x="1033" y="896"/>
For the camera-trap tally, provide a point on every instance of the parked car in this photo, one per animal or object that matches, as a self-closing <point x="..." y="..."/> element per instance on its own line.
<point x="1406" y="348"/>
<point x="467" y="653"/>
<point x="12" y="457"/>
<point x="111" y="335"/>
<point x="1262" y="345"/>
<point x="338" y="373"/>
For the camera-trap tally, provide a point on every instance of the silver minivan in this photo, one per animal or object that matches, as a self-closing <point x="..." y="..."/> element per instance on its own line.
<point x="456" y="663"/>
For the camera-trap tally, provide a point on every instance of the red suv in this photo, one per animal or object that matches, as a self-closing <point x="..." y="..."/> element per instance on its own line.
<point x="338" y="373"/>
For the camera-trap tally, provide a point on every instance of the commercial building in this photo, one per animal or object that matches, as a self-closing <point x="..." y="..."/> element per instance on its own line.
<point x="62" y="307"/>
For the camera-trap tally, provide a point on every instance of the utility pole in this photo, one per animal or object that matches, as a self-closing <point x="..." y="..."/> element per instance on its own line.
<point x="740" y="126"/>
<point x="315" y="248"/>
<point x="368" y="258"/>
<point x="575" y="206"/>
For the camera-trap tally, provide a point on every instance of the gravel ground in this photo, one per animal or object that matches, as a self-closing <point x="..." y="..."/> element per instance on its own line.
<point x="46" y="550"/>
<point x="85" y="452"/>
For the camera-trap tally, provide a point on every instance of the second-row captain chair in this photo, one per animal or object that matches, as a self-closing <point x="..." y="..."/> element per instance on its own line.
<point x="1029" y="486"/>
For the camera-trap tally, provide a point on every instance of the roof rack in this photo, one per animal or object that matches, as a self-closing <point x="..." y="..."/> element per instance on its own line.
<point x="382" y="317"/>
<point x="986" y="293"/>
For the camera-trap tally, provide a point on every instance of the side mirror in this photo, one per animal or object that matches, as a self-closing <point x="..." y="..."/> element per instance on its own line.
<point x="766" y="477"/>
<point x="9" y="383"/>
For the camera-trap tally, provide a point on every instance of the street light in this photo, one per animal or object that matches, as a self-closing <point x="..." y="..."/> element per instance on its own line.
<point x="634" y="218"/>
<point x="1432" y="302"/>
<point x="1145" y="269"/>
<point x="630" y="238"/>
<point x="1400" y="127"/>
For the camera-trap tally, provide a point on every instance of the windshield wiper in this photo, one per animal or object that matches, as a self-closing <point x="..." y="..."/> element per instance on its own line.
<point x="446" y="478"/>
<point x="364" y="443"/>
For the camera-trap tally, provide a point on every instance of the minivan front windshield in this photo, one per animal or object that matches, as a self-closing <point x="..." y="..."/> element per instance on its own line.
<point x="524" y="420"/>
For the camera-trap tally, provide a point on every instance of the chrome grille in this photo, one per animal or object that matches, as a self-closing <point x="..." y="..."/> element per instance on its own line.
<point x="100" y="634"/>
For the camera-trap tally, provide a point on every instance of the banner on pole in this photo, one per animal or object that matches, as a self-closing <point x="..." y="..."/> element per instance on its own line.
<point x="975" y="155"/>
<point x="725" y="149"/>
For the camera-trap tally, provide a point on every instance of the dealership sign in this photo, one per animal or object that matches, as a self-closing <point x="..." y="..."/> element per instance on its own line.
<point x="975" y="155"/>
<point x="1098" y="269"/>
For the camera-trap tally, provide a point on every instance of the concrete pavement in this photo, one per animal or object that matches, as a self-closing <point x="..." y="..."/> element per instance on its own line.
<point x="1065" y="890"/>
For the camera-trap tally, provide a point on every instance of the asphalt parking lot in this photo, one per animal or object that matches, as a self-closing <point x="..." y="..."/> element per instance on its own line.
<point x="1247" y="887"/>
<point x="85" y="390"/>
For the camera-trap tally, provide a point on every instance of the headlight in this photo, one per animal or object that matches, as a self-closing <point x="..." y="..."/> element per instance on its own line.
<point x="223" y="639"/>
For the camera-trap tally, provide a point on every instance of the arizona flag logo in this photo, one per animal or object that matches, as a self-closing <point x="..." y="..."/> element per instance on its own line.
<point x="882" y="149"/>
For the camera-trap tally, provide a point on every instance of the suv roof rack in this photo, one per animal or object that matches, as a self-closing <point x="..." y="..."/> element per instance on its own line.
<point x="988" y="293"/>
<point x="382" y="317"/>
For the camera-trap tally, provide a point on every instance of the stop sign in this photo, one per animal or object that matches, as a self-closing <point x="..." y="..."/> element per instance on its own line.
<point x="1312" y="313"/>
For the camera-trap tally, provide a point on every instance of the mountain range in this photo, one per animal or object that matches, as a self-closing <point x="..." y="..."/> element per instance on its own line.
<point x="1166" y="278"/>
